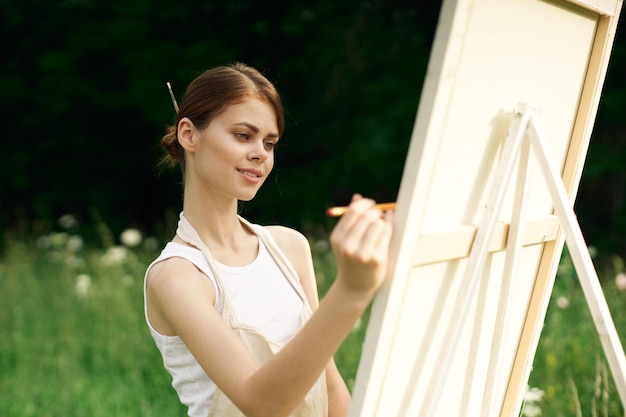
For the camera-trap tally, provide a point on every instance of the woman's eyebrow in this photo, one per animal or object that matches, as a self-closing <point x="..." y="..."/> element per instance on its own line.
<point x="255" y="129"/>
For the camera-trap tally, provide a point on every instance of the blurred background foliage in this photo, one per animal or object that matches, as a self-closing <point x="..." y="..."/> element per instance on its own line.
<point x="83" y="95"/>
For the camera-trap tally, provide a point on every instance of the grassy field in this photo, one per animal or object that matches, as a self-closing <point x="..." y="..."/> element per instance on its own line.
<point x="73" y="341"/>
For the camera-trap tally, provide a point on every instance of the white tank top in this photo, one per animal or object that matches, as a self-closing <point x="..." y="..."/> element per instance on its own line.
<point x="261" y="297"/>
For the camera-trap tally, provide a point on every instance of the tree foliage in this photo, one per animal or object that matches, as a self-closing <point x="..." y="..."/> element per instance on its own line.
<point x="84" y="97"/>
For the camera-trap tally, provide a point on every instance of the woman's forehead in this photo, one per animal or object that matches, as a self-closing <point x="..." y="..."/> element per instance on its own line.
<point x="252" y="110"/>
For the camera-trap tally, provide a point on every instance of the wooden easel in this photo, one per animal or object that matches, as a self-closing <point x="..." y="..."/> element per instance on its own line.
<point x="454" y="330"/>
<point x="526" y="125"/>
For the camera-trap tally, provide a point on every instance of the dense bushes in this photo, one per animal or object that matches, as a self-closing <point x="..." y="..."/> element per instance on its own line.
<point x="84" y="103"/>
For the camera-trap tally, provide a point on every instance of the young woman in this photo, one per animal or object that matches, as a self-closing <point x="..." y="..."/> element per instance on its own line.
<point x="233" y="306"/>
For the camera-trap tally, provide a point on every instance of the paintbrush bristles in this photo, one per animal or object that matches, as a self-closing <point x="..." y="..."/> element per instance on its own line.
<point x="340" y="211"/>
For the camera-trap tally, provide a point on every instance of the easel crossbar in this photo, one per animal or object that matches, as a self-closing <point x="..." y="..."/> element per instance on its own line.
<point x="457" y="243"/>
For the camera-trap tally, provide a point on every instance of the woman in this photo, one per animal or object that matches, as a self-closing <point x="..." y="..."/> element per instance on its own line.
<point x="233" y="306"/>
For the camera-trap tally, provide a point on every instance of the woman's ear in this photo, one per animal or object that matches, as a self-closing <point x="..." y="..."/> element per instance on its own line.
<point x="185" y="132"/>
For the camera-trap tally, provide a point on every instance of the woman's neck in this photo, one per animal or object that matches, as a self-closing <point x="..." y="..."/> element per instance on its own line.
<point x="215" y="220"/>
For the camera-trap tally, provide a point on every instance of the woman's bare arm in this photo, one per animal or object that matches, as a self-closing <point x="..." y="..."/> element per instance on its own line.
<point x="297" y="249"/>
<point x="184" y="301"/>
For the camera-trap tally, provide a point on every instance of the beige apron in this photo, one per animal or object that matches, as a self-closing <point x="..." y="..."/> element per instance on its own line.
<point x="315" y="403"/>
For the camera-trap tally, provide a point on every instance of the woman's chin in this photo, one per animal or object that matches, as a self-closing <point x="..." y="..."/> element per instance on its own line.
<point x="247" y="198"/>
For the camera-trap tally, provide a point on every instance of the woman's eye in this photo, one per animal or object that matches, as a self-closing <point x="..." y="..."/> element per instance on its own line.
<point x="270" y="145"/>
<point x="242" y="135"/>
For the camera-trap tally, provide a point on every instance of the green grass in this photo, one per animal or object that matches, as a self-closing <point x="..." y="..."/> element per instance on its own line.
<point x="73" y="341"/>
<point x="570" y="366"/>
<point x="67" y="351"/>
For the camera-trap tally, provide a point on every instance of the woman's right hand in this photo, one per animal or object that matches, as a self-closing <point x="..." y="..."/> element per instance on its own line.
<point x="360" y="242"/>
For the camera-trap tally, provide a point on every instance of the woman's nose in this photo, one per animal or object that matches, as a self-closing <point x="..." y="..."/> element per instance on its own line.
<point x="258" y="151"/>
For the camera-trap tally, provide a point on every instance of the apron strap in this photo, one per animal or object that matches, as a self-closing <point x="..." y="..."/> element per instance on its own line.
<point x="190" y="236"/>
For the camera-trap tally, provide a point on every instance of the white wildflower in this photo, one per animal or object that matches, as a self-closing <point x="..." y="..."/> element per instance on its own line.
<point x="82" y="285"/>
<point x="131" y="238"/>
<point x="532" y="397"/>
<point x="43" y="243"/>
<point x="562" y="302"/>
<point x="531" y="410"/>
<point x="534" y="394"/>
<point x="74" y="262"/>
<point x="620" y="281"/>
<point x="74" y="243"/>
<point x="115" y="255"/>
<point x="58" y="240"/>
<point x="67" y="222"/>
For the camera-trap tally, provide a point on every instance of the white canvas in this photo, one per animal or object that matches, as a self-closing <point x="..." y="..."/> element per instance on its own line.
<point x="488" y="56"/>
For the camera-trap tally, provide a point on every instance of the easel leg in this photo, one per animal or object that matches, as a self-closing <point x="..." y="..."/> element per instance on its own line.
<point x="476" y="262"/>
<point x="514" y="245"/>
<point x="582" y="261"/>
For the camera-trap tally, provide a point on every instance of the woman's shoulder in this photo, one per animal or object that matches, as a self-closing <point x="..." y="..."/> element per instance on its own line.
<point x="176" y="278"/>
<point x="175" y="261"/>
<point x="171" y="268"/>
<point x="174" y="255"/>
<point x="295" y="246"/>
<point x="288" y="238"/>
